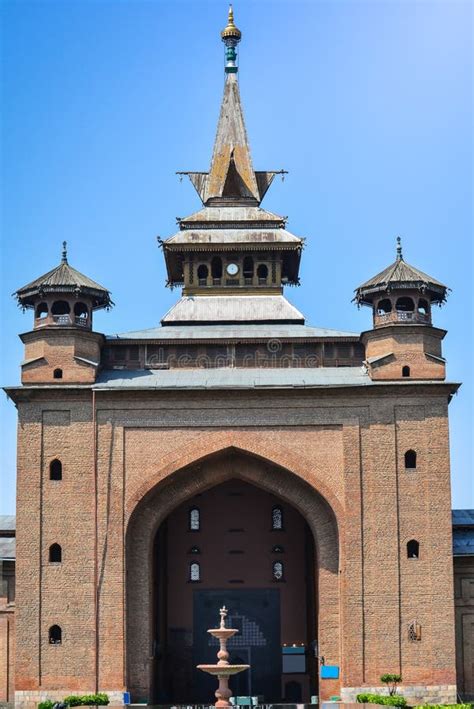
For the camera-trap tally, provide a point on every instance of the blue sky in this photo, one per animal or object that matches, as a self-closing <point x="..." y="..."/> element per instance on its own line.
<point x="367" y="104"/>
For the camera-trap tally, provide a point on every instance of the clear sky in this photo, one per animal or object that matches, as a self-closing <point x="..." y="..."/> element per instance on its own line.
<point x="367" y="104"/>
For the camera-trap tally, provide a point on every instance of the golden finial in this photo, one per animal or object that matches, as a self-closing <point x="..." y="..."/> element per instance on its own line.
<point x="231" y="31"/>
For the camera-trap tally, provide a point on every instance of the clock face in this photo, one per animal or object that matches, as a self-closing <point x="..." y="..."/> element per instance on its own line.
<point x="232" y="269"/>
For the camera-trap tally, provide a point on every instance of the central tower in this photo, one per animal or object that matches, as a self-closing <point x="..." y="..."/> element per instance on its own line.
<point x="232" y="258"/>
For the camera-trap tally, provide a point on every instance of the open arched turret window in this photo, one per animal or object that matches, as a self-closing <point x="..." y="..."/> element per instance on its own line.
<point x="248" y="267"/>
<point x="410" y="459"/>
<point x="41" y="310"/>
<point x="405" y="305"/>
<point x="202" y="274"/>
<point x="413" y="549"/>
<point x="55" y="470"/>
<point x="384" y="306"/>
<point x="262" y="273"/>
<point x="81" y="311"/>
<point x="423" y="307"/>
<point x="55" y="554"/>
<point x="58" y="373"/>
<point x="216" y="267"/>
<point x="406" y="371"/>
<point x="61" y="307"/>
<point x="55" y="635"/>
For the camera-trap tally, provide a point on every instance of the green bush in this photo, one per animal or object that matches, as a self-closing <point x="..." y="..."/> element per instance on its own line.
<point x="391" y="680"/>
<point x="87" y="700"/>
<point x="392" y="701"/>
<point x="47" y="704"/>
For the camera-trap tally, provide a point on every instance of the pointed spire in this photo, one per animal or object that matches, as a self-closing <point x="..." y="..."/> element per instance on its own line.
<point x="231" y="179"/>
<point x="399" y="249"/>
<point x="231" y="160"/>
<point x="64" y="253"/>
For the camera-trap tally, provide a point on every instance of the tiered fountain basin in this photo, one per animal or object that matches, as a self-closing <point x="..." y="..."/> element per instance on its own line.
<point x="223" y="670"/>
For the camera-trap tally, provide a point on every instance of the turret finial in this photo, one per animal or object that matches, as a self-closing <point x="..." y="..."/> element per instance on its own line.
<point x="399" y="249"/>
<point x="231" y="36"/>
<point x="64" y="253"/>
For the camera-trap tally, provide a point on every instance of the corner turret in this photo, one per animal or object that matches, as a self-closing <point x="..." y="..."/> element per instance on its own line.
<point x="403" y="342"/>
<point x="62" y="345"/>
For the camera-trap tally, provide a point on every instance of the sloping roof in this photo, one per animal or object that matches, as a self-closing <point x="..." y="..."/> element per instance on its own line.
<point x="401" y="274"/>
<point x="233" y="378"/>
<point x="231" y="178"/>
<point x="7" y="548"/>
<point x="7" y="523"/>
<point x="463" y="518"/>
<point x="463" y="532"/>
<point x="232" y="308"/>
<point x="226" y="237"/>
<point x="7" y="537"/>
<point x="234" y="332"/>
<point x="63" y="278"/>
<point x="231" y="215"/>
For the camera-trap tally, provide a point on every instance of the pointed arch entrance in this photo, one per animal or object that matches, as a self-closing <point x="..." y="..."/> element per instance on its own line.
<point x="146" y="555"/>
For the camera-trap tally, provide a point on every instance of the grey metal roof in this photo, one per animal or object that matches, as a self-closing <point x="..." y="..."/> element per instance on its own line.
<point x="463" y="518"/>
<point x="233" y="332"/>
<point x="231" y="215"/>
<point x="7" y="548"/>
<point x="7" y="536"/>
<point x="232" y="308"/>
<point x="7" y="523"/>
<point x="233" y="378"/>
<point x="227" y="237"/>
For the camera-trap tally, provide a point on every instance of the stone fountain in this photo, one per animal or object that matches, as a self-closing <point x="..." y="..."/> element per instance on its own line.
<point x="223" y="670"/>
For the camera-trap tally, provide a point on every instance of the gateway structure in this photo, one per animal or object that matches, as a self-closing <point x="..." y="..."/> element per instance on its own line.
<point x="234" y="455"/>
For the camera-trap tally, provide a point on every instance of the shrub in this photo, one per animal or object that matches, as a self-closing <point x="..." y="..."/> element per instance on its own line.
<point x="87" y="700"/>
<point x="392" y="701"/>
<point x="391" y="680"/>
<point x="47" y="704"/>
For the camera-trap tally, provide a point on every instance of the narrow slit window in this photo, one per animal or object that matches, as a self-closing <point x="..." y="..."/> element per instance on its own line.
<point x="413" y="549"/>
<point x="277" y="570"/>
<point x="55" y="554"/>
<point x="277" y="518"/>
<point x="194" y="519"/>
<point x="410" y="459"/>
<point x="55" y="470"/>
<point x="406" y="371"/>
<point x="55" y="635"/>
<point x="194" y="572"/>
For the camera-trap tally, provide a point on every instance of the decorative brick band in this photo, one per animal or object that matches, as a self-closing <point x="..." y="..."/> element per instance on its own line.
<point x="415" y="694"/>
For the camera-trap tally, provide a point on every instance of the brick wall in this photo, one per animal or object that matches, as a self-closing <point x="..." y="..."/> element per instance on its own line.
<point x="337" y="456"/>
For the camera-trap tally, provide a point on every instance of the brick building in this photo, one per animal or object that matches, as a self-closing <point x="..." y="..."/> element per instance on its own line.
<point x="233" y="455"/>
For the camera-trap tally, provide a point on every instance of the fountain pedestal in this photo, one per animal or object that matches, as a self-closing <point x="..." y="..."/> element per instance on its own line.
<point x="223" y="670"/>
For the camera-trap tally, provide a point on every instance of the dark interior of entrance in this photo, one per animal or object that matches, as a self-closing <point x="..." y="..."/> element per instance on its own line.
<point x="239" y="546"/>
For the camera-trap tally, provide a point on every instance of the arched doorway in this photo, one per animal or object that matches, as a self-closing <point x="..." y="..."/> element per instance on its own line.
<point x="239" y="546"/>
<point x="145" y="545"/>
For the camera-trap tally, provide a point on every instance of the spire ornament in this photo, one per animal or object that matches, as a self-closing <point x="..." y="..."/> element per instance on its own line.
<point x="399" y="249"/>
<point x="64" y="253"/>
<point x="231" y="36"/>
